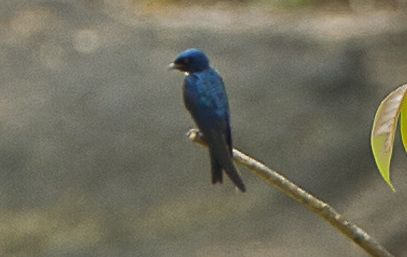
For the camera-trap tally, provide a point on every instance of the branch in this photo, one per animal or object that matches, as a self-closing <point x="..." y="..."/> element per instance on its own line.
<point x="355" y="233"/>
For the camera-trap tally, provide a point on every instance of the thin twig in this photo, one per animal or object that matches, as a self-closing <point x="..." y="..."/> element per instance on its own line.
<point x="355" y="233"/>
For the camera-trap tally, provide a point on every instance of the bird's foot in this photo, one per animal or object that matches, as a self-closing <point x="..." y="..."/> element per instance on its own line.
<point x="196" y="135"/>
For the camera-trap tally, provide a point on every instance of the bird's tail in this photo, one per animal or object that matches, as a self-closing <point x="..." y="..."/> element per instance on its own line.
<point x="221" y="159"/>
<point x="216" y="169"/>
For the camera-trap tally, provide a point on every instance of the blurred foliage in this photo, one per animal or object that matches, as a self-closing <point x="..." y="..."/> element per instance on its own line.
<point x="350" y="4"/>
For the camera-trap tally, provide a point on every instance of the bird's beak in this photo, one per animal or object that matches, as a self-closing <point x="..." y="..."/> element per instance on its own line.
<point x="172" y="66"/>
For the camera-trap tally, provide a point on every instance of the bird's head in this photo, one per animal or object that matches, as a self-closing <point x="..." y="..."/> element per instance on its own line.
<point x="191" y="60"/>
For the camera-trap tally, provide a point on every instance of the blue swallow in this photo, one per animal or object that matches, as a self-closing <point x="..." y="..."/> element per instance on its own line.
<point x="205" y="98"/>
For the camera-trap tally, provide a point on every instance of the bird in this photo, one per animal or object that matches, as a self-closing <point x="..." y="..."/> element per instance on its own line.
<point x="206" y="99"/>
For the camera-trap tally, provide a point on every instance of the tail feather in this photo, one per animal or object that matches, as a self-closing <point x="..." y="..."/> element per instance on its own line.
<point x="233" y="174"/>
<point x="221" y="157"/>
<point x="216" y="170"/>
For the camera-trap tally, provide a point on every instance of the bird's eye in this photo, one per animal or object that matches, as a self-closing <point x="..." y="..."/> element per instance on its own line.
<point x="186" y="60"/>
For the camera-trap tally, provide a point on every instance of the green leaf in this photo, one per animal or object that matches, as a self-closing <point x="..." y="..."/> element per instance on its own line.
<point x="384" y="130"/>
<point x="403" y="124"/>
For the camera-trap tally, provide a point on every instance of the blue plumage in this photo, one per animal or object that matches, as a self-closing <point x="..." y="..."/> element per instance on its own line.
<point x="205" y="98"/>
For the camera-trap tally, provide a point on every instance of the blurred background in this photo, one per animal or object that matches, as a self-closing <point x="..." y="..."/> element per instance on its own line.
<point x="94" y="160"/>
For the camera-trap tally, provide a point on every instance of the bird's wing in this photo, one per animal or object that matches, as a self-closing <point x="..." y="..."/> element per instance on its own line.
<point x="205" y="97"/>
<point x="221" y="106"/>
